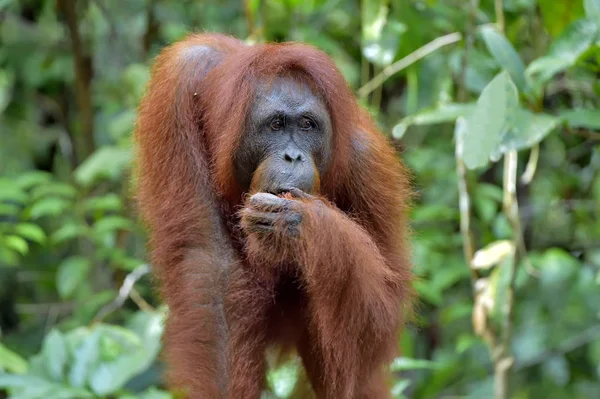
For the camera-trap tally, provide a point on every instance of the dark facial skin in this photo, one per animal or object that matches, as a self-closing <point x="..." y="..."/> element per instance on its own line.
<point x="287" y="140"/>
<point x="285" y="149"/>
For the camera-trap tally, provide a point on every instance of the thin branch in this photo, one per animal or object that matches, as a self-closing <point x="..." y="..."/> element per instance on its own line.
<point x="531" y="167"/>
<point x="83" y="81"/>
<point x="124" y="292"/>
<point x="151" y="29"/>
<point x="140" y="301"/>
<point x="499" y="9"/>
<point x="584" y="133"/>
<point x="410" y="59"/>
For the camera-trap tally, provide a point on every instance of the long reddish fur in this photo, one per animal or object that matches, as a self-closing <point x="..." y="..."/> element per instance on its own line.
<point x="352" y="250"/>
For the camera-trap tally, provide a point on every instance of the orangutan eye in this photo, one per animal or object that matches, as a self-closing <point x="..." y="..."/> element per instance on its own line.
<point x="277" y="124"/>
<point x="306" y="124"/>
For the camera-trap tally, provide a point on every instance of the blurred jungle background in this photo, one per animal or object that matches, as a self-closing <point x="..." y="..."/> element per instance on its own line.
<point x="492" y="103"/>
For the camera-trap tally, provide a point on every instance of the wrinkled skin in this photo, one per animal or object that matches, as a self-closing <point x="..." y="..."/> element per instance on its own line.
<point x="285" y="149"/>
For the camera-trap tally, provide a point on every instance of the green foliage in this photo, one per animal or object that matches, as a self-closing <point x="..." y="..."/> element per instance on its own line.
<point x="69" y="233"/>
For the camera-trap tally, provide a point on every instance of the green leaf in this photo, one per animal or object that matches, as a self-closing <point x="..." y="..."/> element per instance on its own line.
<point x="32" y="232"/>
<point x="51" y="206"/>
<point x="283" y="379"/>
<point x="32" y="179"/>
<point x="444" y="114"/>
<point x="9" y="209"/>
<point x="558" y="14"/>
<point x="557" y="370"/>
<point x="382" y="51"/>
<point x="405" y="363"/>
<point x="592" y="9"/>
<point x="565" y="51"/>
<point x="10" y="191"/>
<point x="373" y="17"/>
<point x="22" y="381"/>
<point x="505" y="54"/>
<point x="68" y="232"/>
<point x="489" y="120"/>
<point x="70" y="274"/>
<point x="105" y="203"/>
<point x="85" y="358"/>
<point x="16" y="243"/>
<point x="526" y="130"/>
<point x="54" y="353"/>
<point x="54" y="190"/>
<point x="587" y="118"/>
<point x="12" y="362"/>
<point x="492" y="254"/>
<point x="7" y="79"/>
<point x="106" y="163"/>
<point x="112" y="223"/>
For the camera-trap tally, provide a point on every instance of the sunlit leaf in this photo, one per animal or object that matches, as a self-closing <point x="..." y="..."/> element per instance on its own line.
<point x="492" y="254"/>
<point x="11" y="361"/>
<point x="493" y="114"/>
<point x="505" y="54"/>
<point x="283" y="379"/>
<point x="558" y="14"/>
<point x="7" y="79"/>
<point x="31" y="231"/>
<point x="373" y="17"/>
<point x="382" y="51"/>
<point x="565" y="51"/>
<point x="71" y="273"/>
<point x="9" y="191"/>
<point x="405" y="363"/>
<point x="16" y="243"/>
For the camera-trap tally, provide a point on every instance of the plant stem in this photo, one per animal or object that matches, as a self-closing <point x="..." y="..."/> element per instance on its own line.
<point x="407" y="61"/>
<point x="83" y="83"/>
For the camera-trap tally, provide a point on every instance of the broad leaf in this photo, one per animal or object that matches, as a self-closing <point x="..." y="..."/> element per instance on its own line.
<point x="405" y="363"/>
<point x="50" y="206"/>
<point x="32" y="232"/>
<point x="505" y="54"/>
<point x="373" y="17"/>
<point x="526" y="130"/>
<point x="587" y="118"/>
<point x="565" y="51"/>
<point x="492" y="254"/>
<point x="490" y="119"/>
<point x="12" y="362"/>
<point x="16" y="243"/>
<point x="592" y="9"/>
<point x="85" y="357"/>
<point x="557" y="14"/>
<point x="70" y="274"/>
<point x="106" y="163"/>
<point x="54" y="354"/>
